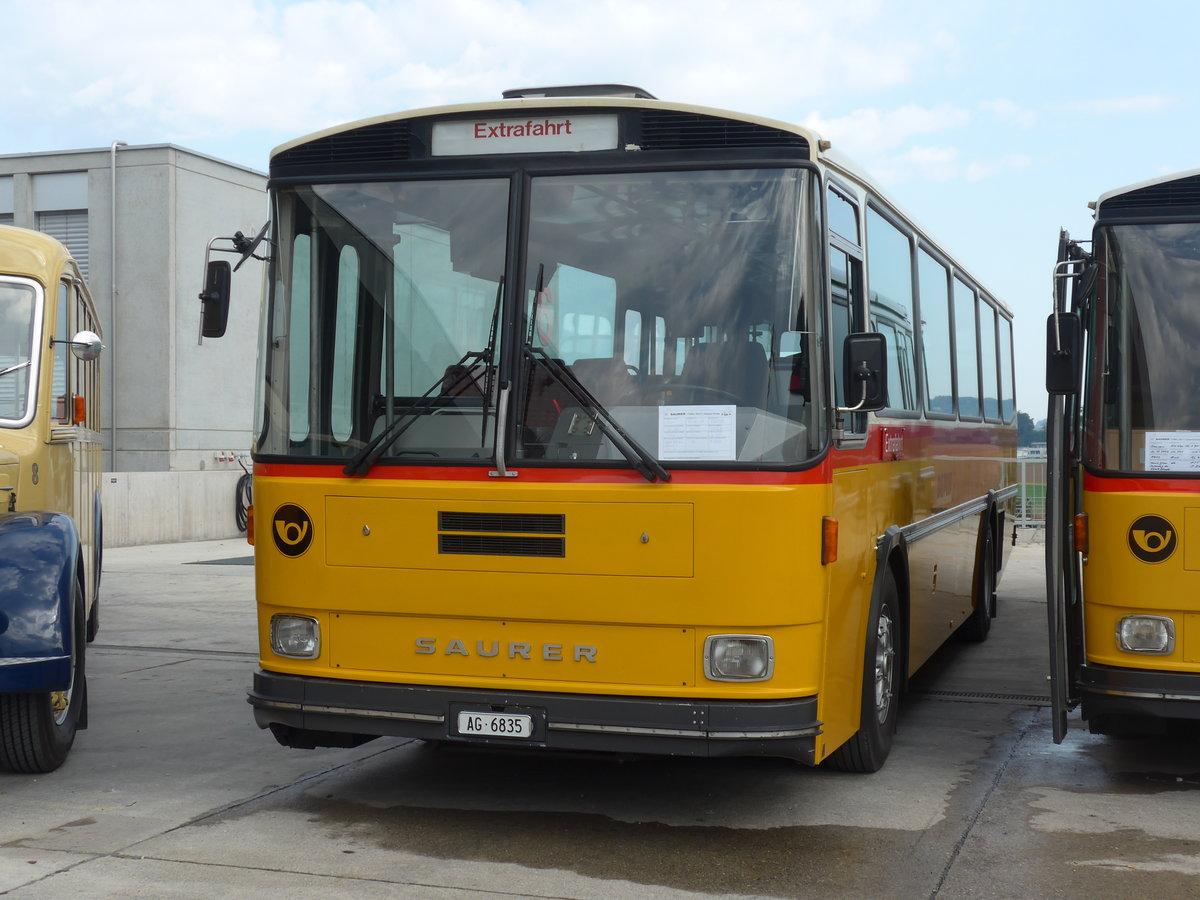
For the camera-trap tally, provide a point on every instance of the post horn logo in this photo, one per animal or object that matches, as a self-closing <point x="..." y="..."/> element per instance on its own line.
<point x="292" y="530"/>
<point x="1152" y="539"/>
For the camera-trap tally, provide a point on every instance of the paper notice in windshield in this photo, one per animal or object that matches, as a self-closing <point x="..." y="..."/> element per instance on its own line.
<point x="1172" y="451"/>
<point x="697" y="432"/>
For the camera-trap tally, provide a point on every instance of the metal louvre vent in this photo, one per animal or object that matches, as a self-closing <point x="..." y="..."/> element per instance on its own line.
<point x="387" y="142"/>
<point x="1181" y="192"/>
<point x="501" y="545"/>
<point x="691" y="131"/>
<point x="520" y="523"/>
<point x="502" y="534"/>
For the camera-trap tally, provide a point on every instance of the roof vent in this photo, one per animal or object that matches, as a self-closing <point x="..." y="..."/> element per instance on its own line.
<point x="580" y="90"/>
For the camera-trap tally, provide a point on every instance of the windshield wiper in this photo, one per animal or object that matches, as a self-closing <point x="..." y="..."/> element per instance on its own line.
<point x="639" y="457"/>
<point x="369" y="455"/>
<point x="363" y="461"/>
<point x="16" y="368"/>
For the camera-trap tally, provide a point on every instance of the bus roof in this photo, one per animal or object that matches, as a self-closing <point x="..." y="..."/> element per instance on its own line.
<point x="31" y="254"/>
<point x="1142" y="185"/>
<point x="819" y="147"/>
<point x="516" y="105"/>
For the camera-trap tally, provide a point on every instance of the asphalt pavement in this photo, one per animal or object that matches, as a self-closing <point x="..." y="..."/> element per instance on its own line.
<point x="173" y="792"/>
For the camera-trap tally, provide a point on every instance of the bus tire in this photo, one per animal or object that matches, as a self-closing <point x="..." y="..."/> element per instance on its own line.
<point x="867" y="750"/>
<point x="35" y="737"/>
<point x="979" y="624"/>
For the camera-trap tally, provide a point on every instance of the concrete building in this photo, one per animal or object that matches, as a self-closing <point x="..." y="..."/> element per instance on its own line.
<point x="176" y="411"/>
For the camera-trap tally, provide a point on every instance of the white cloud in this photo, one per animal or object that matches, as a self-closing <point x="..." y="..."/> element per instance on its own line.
<point x="1007" y="111"/>
<point x="185" y="70"/>
<point x="1120" y="106"/>
<point x="869" y="133"/>
<point x="978" y="171"/>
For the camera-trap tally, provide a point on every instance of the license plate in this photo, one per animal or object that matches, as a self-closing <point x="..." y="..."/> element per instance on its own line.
<point x="490" y="724"/>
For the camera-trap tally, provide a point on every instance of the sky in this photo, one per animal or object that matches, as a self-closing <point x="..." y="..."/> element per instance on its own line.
<point x="993" y="124"/>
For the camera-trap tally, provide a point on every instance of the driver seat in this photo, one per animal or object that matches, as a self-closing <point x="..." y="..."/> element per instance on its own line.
<point x="735" y="367"/>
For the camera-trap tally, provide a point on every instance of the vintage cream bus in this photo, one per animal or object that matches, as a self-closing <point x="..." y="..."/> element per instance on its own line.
<point x="50" y="520"/>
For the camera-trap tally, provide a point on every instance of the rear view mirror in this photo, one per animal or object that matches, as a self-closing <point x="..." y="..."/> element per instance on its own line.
<point x="1064" y="345"/>
<point x="214" y="309"/>
<point x="86" y="345"/>
<point x="864" y="370"/>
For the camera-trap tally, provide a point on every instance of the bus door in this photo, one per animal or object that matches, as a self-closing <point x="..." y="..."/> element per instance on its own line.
<point x="1064" y="595"/>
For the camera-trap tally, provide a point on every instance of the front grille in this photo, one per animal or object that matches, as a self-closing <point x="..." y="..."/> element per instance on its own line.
<point x="387" y="142"/>
<point x="501" y="545"/>
<point x="502" y="534"/>
<point x="520" y="523"/>
<point x="693" y="131"/>
<point x="1170" y="195"/>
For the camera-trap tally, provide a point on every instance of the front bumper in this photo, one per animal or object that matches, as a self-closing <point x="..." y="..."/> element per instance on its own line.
<point x="312" y="712"/>
<point x="1113" y="691"/>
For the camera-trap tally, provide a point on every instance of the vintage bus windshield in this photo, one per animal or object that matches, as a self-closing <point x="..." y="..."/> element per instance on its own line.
<point x="19" y="322"/>
<point x="676" y="302"/>
<point x="1146" y="403"/>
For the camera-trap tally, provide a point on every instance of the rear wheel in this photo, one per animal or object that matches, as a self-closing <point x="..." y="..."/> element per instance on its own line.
<point x="867" y="750"/>
<point x="37" y="730"/>
<point x="978" y="625"/>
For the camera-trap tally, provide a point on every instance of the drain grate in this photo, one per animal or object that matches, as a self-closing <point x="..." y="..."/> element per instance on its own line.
<point x="983" y="697"/>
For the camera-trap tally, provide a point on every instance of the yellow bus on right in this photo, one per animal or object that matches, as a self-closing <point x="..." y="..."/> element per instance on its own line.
<point x="1123" y="440"/>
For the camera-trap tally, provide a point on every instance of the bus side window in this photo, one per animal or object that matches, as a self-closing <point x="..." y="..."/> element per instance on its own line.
<point x="889" y="275"/>
<point x="63" y="407"/>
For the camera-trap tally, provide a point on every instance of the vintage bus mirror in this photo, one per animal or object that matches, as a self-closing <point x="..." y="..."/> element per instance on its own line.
<point x="86" y="345"/>
<point x="214" y="310"/>
<point x="864" y="370"/>
<point x="1064" y="343"/>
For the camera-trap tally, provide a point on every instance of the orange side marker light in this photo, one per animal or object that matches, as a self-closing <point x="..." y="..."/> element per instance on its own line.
<point x="829" y="540"/>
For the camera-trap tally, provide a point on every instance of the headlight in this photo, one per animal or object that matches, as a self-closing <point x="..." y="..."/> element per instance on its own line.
<point x="1146" y="634"/>
<point x="739" y="657"/>
<point x="296" y="636"/>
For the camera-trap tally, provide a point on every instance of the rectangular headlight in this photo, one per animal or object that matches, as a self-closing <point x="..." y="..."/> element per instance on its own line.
<point x="1146" y="634"/>
<point x="296" y="636"/>
<point x="739" y="657"/>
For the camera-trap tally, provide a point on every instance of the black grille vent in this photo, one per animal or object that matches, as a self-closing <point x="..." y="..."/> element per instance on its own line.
<point x="1181" y="192"/>
<point x="502" y="534"/>
<point x="518" y="523"/>
<point x="387" y="142"/>
<point x="501" y="545"/>
<point x="690" y="131"/>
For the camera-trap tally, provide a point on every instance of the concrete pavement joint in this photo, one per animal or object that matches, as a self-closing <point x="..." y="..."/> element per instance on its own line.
<point x="982" y="805"/>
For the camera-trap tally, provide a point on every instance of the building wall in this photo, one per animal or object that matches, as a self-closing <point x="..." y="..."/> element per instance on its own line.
<point x="176" y="411"/>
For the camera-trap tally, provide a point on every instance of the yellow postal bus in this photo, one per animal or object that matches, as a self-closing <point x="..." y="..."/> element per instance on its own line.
<point x="1123" y="536"/>
<point x="50" y="522"/>
<point x="592" y="421"/>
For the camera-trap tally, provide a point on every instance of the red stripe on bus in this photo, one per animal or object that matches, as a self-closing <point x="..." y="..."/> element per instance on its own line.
<point x="1140" y="485"/>
<point x="819" y="474"/>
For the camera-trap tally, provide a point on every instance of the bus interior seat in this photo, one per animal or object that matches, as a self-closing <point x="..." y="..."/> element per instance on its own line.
<point x="463" y="381"/>
<point x="607" y="378"/>
<point x="734" y="367"/>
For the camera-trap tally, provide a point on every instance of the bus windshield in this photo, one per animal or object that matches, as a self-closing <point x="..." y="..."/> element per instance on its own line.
<point x="1145" y="417"/>
<point x="18" y="304"/>
<point x="675" y="304"/>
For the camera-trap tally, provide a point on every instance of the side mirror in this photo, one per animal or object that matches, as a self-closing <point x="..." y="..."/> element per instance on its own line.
<point x="864" y="371"/>
<point x="214" y="309"/>
<point x="86" y="345"/>
<point x="1064" y="348"/>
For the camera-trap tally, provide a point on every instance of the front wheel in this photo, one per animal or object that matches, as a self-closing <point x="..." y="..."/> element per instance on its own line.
<point x="867" y="750"/>
<point x="37" y="730"/>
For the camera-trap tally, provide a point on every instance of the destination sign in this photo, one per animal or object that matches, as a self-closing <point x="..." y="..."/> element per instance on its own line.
<point x="541" y="134"/>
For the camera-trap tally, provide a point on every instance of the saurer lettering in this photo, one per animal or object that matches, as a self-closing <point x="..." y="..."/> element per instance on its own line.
<point x="427" y="646"/>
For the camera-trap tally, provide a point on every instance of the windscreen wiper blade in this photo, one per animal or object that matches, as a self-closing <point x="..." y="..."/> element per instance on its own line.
<point x="365" y="459"/>
<point x="639" y="457"/>
<point x="18" y="367"/>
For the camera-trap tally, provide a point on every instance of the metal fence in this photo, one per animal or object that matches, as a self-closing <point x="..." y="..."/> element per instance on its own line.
<point x="1031" y="493"/>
